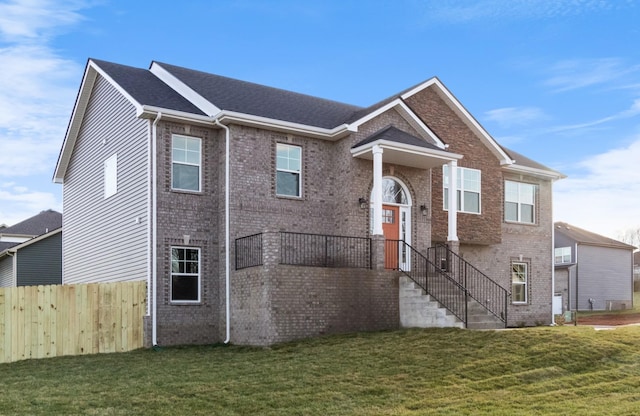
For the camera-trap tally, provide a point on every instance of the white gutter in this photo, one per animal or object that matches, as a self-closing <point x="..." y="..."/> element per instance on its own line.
<point x="226" y="230"/>
<point x="154" y="232"/>
<point x="553" y="261"/>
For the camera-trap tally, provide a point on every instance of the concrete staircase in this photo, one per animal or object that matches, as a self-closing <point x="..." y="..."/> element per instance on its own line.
<point x="419" y="310"/>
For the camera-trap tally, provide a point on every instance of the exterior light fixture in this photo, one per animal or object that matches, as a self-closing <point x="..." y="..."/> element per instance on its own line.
<point x="423" y="209"/>
<point x="363" y="202"/>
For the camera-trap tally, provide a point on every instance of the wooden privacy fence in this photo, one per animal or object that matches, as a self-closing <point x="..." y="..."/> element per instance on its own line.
<point x="50" y="321"/>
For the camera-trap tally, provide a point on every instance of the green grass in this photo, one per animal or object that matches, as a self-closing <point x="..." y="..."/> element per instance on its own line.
<point x="555" y="371"/>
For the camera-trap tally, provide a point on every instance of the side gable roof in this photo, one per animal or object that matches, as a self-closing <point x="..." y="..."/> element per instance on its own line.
<point x="206" y="98"/>
<point x="581" y="236"/>
<point x="258" y="100"/>
<point x="523" y="164"/>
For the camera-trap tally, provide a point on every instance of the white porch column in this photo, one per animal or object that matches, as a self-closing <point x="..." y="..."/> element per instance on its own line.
<point x="453" y="201"/>
<point x="377" y="190"/>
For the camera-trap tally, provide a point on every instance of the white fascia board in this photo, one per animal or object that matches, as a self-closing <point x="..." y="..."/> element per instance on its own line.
<point x="338" y="132"/>
<point x="540" y="173"/>
<point x="84" y="94"/>
<point x="408" y="148"/>
<point x="183" y="89"/>
<point x="405" y="110"/>
<point x="484" y="135"/>
<point x="150" y="112"/>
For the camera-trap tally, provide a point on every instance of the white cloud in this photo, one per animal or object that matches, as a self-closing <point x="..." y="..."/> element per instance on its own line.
<point x="632" y="111"/>
<point x="512" y="116"/>
<point x="19" y="203"/>
<point x="38" y="87"/>
<point x="580" y="73"/>
<point x="606" y="198"/>
<point x="36" y="19"/>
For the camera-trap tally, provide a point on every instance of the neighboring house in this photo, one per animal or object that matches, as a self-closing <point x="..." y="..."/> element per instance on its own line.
<point x="259" y="215"/>
<point x="31" y="251"/>
<point x="636" y="266"/>
<point x="593" y="272"/>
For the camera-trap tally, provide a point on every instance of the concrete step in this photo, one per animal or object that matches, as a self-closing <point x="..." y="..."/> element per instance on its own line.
<point x="418" y="310"/>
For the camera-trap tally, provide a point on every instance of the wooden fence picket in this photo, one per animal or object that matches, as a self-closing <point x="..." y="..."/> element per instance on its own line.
<point x="49" y="321"/>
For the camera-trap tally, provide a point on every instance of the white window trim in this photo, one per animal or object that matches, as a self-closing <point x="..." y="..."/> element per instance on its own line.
<point x="519" y="203"/>
<point x="564" y="251"/>
<point x="525" y="284"/>
<point x="111" y="176"/>
<point x="298" y="172"/>
<point x="460" y="199"/>
<point x="199" y="276"/>
<point x="199" y="164"/>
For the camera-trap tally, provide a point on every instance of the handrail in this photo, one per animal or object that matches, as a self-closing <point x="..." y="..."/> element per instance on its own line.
<point x="451" y="294"/>
<point x="487" y="292"/>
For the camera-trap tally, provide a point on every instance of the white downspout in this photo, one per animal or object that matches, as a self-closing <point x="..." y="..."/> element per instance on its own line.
<point x="154" y="232"/>
<point x="226" y="231"/>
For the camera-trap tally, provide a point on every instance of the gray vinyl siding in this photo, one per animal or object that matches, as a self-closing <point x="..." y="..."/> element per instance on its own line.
<point x="105" y="240"/>
<point x="6" y="271"/>
<point x="40" y="263"/>
<point x="604" y="274"/>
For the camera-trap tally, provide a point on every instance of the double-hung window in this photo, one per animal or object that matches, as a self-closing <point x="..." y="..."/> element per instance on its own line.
<point x="563" y="255"/>
<point x="288" y="170"/>
<point x="519" y="202"/>
<point x="186" y="158"/>
<point x="468" y="189"/>
<point x="519" y="281"/>
<point x="185" y="274"/>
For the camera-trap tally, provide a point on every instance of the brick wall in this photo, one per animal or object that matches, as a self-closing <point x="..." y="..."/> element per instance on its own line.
<point x="449" y="127"/>
<point x="198" y="216"/>
<point x="279" y="303"/>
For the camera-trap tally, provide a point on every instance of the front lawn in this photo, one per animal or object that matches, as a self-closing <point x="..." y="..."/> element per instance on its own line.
<point x="561" y="370"/>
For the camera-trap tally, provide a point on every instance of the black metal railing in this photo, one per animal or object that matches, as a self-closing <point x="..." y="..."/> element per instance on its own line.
<point x="302" y="249"/>
<point x="249" y="251"/>
<point x="429" y="276"/>
<point x="480" y="287"/>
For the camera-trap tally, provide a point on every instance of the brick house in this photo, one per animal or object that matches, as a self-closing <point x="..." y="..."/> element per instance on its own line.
<point x="259" y="215"/>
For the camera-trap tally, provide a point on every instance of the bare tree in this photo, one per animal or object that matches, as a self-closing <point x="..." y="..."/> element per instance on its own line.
<point x="630" y="236"/>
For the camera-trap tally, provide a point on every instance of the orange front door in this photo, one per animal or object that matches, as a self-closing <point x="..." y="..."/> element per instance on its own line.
<point x="391" y="231"/>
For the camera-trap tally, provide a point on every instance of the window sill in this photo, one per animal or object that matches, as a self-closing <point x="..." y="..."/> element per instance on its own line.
<point x="530" y="224"/>
<point x="186" y="191"/>
<point x="185" y="302"/>
<point x="289" y="197"/>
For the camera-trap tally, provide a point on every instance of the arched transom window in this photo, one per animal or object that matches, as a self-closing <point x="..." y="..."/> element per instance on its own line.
<point x="393" y="192"/>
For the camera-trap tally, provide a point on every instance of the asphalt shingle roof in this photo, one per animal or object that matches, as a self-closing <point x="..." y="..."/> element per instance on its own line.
<point x="394" y="134"/>
<point x="146" y="88"/>
<point x="587" y="237"/>
<point x="259" y="100"/>
<point x="39" y="224"/>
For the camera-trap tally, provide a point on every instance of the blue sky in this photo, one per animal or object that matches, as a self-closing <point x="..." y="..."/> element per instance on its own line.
<point x="558" y="81"/>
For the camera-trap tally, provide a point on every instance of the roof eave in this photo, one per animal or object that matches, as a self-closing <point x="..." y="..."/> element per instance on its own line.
<point x="539" y="173"/>
<point x="231" y="117"/>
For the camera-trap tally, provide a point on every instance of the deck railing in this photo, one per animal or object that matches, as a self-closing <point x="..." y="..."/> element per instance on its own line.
<point x="249" y="251"/>
<point x="302" y="249"/>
